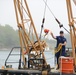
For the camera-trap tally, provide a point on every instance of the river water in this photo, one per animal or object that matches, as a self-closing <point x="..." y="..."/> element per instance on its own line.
<point x="4" y="53"/>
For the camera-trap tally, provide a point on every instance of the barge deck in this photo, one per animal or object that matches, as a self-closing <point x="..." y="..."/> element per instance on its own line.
<point x="30" y="72"/>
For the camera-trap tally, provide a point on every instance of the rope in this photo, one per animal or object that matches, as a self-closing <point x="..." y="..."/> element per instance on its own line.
<point x="43" y="20"/>
<point x="60" y="25"/>
<point x="55" y="51"/>
<point x="58" y="48"/>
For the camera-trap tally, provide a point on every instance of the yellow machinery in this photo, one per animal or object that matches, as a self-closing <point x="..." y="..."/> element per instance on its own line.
<point x="72" y="25"/>
<point x="29" y="39"/>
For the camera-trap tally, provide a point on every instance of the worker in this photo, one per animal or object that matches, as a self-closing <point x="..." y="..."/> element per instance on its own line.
<point x="60" y="40"/>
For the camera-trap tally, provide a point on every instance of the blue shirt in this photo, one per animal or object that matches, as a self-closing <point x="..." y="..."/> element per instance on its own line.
<point x="61" y="39"/>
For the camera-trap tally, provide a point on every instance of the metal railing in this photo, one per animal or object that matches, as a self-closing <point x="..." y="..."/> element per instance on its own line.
<point x="10" y="54"/>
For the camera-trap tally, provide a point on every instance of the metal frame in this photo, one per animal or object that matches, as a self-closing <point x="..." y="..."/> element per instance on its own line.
<point x="27" y="40"/>
<point x="72" y="26"/>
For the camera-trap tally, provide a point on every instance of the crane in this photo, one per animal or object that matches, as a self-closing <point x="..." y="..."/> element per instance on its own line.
<point x="72" y="25"/>
<point x="29" y="39"/>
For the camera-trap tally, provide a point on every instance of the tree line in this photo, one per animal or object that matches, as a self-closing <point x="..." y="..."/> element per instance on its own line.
<point x="9" y="38"/>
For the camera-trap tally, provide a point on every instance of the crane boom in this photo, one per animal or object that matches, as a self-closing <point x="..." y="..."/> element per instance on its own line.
<point x="27" y="33"/>
<point x="72" y="26"/>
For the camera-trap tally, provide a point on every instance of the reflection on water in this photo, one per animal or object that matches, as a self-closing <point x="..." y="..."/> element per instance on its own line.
<point x="4" y="53"/>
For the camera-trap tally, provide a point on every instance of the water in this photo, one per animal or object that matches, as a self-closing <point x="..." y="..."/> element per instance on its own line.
<point x="4" y="53"/>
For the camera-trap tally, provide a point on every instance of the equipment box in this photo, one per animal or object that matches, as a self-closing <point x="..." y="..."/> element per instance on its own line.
<point x="66" y="64"/>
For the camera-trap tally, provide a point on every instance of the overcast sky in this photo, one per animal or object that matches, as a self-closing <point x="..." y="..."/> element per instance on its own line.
<point x="58" y="7"/>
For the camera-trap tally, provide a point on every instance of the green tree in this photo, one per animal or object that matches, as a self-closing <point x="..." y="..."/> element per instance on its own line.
<point x="8" y="37"/>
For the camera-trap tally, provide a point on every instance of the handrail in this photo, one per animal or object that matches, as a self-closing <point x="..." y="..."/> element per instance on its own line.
<point x="13" y="54"/>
